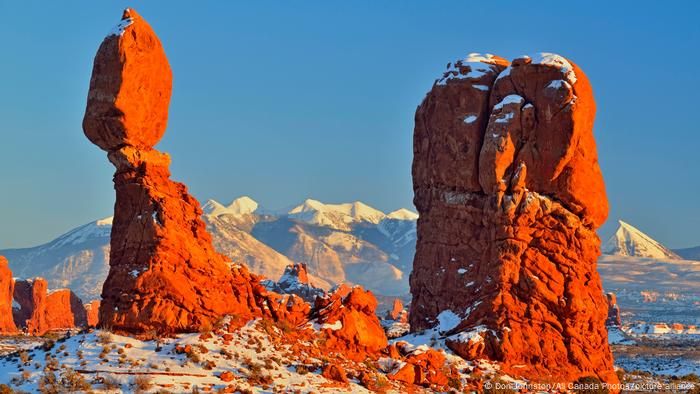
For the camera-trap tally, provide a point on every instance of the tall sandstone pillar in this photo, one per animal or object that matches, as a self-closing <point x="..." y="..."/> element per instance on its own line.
<point x="165" y="275"/>
<point x="509" y="192"/>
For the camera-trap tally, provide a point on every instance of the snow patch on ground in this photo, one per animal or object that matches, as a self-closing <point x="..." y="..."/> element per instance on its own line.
<point x="122" y="359"/>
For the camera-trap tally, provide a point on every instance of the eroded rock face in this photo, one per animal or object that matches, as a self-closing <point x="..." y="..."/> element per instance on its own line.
<point x="64" y="310"/>
<point x="509" y="193"/>
<point x="164" y="272"/>
<point x="31" y="296"/>
<point x="42" y="310"/>
<point x="7" y="288"/>
<point x="347" y="319"/>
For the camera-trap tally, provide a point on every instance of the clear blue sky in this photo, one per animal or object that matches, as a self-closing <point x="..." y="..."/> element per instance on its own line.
<point x="287" y="100"/>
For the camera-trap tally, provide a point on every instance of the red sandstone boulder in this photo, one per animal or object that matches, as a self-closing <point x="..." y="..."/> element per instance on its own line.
<point x="164" y="272"/>
<point x="509" y="193"/>
<point x="227" y="376"/>
<point x="335" y="372"/>
<point x="7" y="288"/>
<point x="130" y="88"/>
<point x="31" y="295"/>
<point x="421" y="365"/>
<point x="347" y="319"/>
<point x="92" y="310"/>
<point x="289" y="308"/>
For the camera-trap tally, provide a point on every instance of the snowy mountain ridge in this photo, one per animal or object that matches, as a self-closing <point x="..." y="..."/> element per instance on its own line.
<point x="350" y="242"/>
<point x="241" y="206"/>
<point x="630" y="241"/>
<point x="336" y="216"/>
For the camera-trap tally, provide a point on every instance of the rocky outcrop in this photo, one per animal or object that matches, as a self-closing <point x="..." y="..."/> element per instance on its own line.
<point x="295" y="280"/>
<point x="42" y="310"/>
<point x="7" y="288"/>
<point x="31" y="295"/>
<point x="346" y="318"/>
<point x="613" y="319"/>
<point x="64" y="310"/>
<point x="165" y="275"/>
<point x="421" y="366"/>
<point x="509" y="193"/>
<point x="92" y="313"/>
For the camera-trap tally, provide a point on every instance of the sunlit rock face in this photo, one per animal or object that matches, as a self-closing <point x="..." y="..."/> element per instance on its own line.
<point x="165" y="275"/>
<point x="7" y="288"/>
<point x="31" y="295"/>
<point x="509" y="193"/>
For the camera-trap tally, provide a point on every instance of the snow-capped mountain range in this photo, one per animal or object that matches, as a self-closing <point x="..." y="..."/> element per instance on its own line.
<point x="357" y="244"/>
<point x="351" y="242"/>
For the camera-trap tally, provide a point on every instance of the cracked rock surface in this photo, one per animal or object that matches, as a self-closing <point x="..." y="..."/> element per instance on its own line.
<point x="509" y="193"/>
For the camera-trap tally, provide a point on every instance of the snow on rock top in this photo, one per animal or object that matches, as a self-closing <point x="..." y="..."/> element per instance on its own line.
<point x="120" y="28"/>
<point x="630" y="241"/>
<point x="509" y="99"/>
<point x="556" y="61"/>
<point x="238" y="207"/>
<point x="402" y="214"/>
<point x="477" y="57"/>
<point x="473" y="66"/>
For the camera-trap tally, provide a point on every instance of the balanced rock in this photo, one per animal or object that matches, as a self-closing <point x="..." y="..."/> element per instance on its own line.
<point x="347" y="319"/>
<point x="509" y="193"/>
<point x="7" y="288"/>
<point x="164" y="272"/>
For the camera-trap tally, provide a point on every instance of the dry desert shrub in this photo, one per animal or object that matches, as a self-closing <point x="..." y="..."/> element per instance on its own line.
<point x="142" y="384"/>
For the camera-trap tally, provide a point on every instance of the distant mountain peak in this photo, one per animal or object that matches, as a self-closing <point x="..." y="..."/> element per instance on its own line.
<point x="630" y="241"/>
<point x="402" y="214"/>
<point x="241" y="206"/>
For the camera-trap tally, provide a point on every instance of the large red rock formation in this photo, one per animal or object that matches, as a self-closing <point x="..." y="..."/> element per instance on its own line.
<point x="31" y="295"/>
<point x="347" y="320"/>
<point x="7" y="288"/>
<point x="164" y="272"/>
<point x="41" y="311"/>
<point x="64" y="310"/>
<point x="509" y="192"/>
